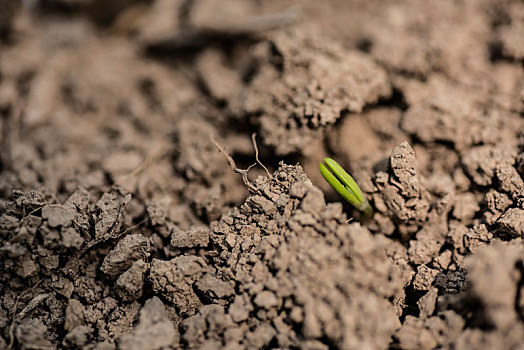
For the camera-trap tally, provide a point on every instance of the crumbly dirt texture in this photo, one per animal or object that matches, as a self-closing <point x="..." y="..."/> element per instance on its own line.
<point x="124" y="224"/>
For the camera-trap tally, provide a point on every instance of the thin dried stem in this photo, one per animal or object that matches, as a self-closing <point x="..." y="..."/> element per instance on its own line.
<point x="233" y="165"/>
<point x="15" y="314"/>
<point x="254" y="139"/>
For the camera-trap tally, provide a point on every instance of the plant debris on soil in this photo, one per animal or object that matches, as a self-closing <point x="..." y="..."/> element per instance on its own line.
<point x="123" y="226"/>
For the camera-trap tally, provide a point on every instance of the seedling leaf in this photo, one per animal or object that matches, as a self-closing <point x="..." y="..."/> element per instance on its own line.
<point x="345" y="185"/>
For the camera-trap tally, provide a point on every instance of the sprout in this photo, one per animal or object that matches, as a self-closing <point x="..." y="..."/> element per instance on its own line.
<point x="344" y="184"/>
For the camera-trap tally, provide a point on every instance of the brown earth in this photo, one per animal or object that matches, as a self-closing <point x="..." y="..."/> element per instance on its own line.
<point x="122" y="226"/>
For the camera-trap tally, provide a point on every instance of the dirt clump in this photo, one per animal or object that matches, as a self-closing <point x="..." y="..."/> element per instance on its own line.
<point x="154" y="329"/>
<point x="126" y="252"/>
<point x="291" y="102"/>
<point x="285" y="250"/>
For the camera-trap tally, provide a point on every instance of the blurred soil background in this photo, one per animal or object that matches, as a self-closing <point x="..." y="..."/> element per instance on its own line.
<point x="122" y="225"/>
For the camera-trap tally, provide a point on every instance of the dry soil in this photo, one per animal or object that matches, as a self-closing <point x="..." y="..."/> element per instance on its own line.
<point x="122" y="225"/>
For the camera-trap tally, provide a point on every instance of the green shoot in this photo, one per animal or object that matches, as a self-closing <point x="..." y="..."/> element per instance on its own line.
<point x="344" y="184"/>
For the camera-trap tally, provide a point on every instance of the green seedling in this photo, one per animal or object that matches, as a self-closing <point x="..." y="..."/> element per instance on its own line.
<point x="344" y="184"/>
